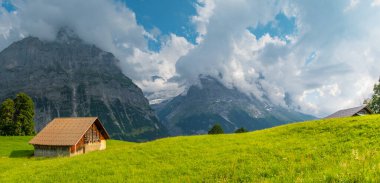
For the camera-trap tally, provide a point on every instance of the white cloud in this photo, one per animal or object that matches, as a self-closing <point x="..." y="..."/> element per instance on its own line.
<point x="342" y="44"/>
<point x="229" y="20"/>
<point x="161" y="66"/>
<point x="375" y="3"/>
<point x="8" y="23"/>
<point x="329" y="64"/>
<point x="352" y="5"/>
<point x="205" y="9"/>
<point x="100" y="22"/>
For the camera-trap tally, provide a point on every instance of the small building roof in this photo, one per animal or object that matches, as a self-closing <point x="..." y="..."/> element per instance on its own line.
<point x="349" y="112"/>
<point x="66" y="131"/>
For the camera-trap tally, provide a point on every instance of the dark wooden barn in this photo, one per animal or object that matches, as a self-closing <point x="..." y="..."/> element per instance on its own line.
<point x="69" y="137"/>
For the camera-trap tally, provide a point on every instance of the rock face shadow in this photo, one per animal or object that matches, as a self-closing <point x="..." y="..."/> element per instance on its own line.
<point x="21" y="154"/>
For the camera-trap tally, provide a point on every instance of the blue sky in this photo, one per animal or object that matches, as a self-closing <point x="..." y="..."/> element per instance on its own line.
<point x="320" y="56"/>
<point x="281" y="27"/>
<point x="7" y="5"/>
<point x="174" y="17"/>
<point x="168" y="16"/>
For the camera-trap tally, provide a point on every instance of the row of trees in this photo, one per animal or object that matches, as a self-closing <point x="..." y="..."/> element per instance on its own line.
<point x="217" y="129"/>
<point x="374" y="102"/>
<point x="16" y="116"/>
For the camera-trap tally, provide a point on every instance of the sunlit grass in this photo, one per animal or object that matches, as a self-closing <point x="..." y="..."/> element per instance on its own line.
<point x="338" y="150"/>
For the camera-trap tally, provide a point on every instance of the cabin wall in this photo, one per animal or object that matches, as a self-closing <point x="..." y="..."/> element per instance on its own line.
<point x="78" y="148"/>
<point x="92" y="147"/>
<point x="93" y="140"/>
<point x="103" y="145"/>
<point x="51" y="151"/>
<point x="95" y="146"/>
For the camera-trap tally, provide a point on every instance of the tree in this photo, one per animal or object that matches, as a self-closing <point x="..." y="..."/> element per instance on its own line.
<point x="24" y="114"/>
<point x="374" y="102"/>
<point x="7" y="110"/>
<point x="216" y="129"/>
<point x="241" y="130"/>
<point x="16" y="116"/>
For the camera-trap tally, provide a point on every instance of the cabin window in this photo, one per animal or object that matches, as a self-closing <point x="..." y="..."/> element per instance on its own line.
<point x="95" y="135"/>
<point x="87" y="137"/>
<point x="92" y="135"/>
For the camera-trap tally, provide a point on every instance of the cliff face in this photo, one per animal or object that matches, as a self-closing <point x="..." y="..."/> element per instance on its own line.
<point x="202" y="107"/>
<point x="68" y="77"/>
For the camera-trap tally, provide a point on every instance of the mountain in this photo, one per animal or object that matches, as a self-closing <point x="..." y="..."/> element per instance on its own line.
<point x="68" y="77"/>
<point x="202" y="106"/>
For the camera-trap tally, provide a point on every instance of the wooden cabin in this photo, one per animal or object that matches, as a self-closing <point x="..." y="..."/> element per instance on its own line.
<point x="69" y="137"/>
<point x="356" y="111"/>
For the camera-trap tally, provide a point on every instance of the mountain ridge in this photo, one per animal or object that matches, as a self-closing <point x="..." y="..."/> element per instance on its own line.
<point x="68" y="77"/>
<point x="211" y="102"/>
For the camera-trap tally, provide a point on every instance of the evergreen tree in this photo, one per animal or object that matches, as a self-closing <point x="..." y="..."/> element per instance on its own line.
<point x="24" y="114"/>
<point x="7" y="110"/>
<point x="241" y="130"/>
<point x="216" y="129"/>
<point x="374" y="102"/>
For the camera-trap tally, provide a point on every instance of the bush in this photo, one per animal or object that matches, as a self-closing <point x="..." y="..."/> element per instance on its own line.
<point x="216" y="129"/>
<point x="241" y="130"/>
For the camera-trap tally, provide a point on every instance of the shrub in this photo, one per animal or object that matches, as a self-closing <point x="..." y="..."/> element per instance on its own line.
<point x="241" y="130"/>
<point x="216" y="129"/>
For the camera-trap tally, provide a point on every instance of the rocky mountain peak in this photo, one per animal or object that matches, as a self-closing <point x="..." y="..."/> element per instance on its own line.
<point x="68" y="36"/>
<point x="68" y="77"/>
<point x="211" y="102"/>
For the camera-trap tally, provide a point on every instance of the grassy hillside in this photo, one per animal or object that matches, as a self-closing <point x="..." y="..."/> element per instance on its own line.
<point x="339" y="150"/>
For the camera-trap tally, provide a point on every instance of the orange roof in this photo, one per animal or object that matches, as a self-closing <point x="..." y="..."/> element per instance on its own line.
<point x="66" y="131"/>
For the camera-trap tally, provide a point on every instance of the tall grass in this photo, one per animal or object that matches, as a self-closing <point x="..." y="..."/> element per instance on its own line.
<point x="337" y="150"/>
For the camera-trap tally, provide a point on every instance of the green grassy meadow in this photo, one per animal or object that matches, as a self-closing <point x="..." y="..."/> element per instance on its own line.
<point x="337" y="150"/>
